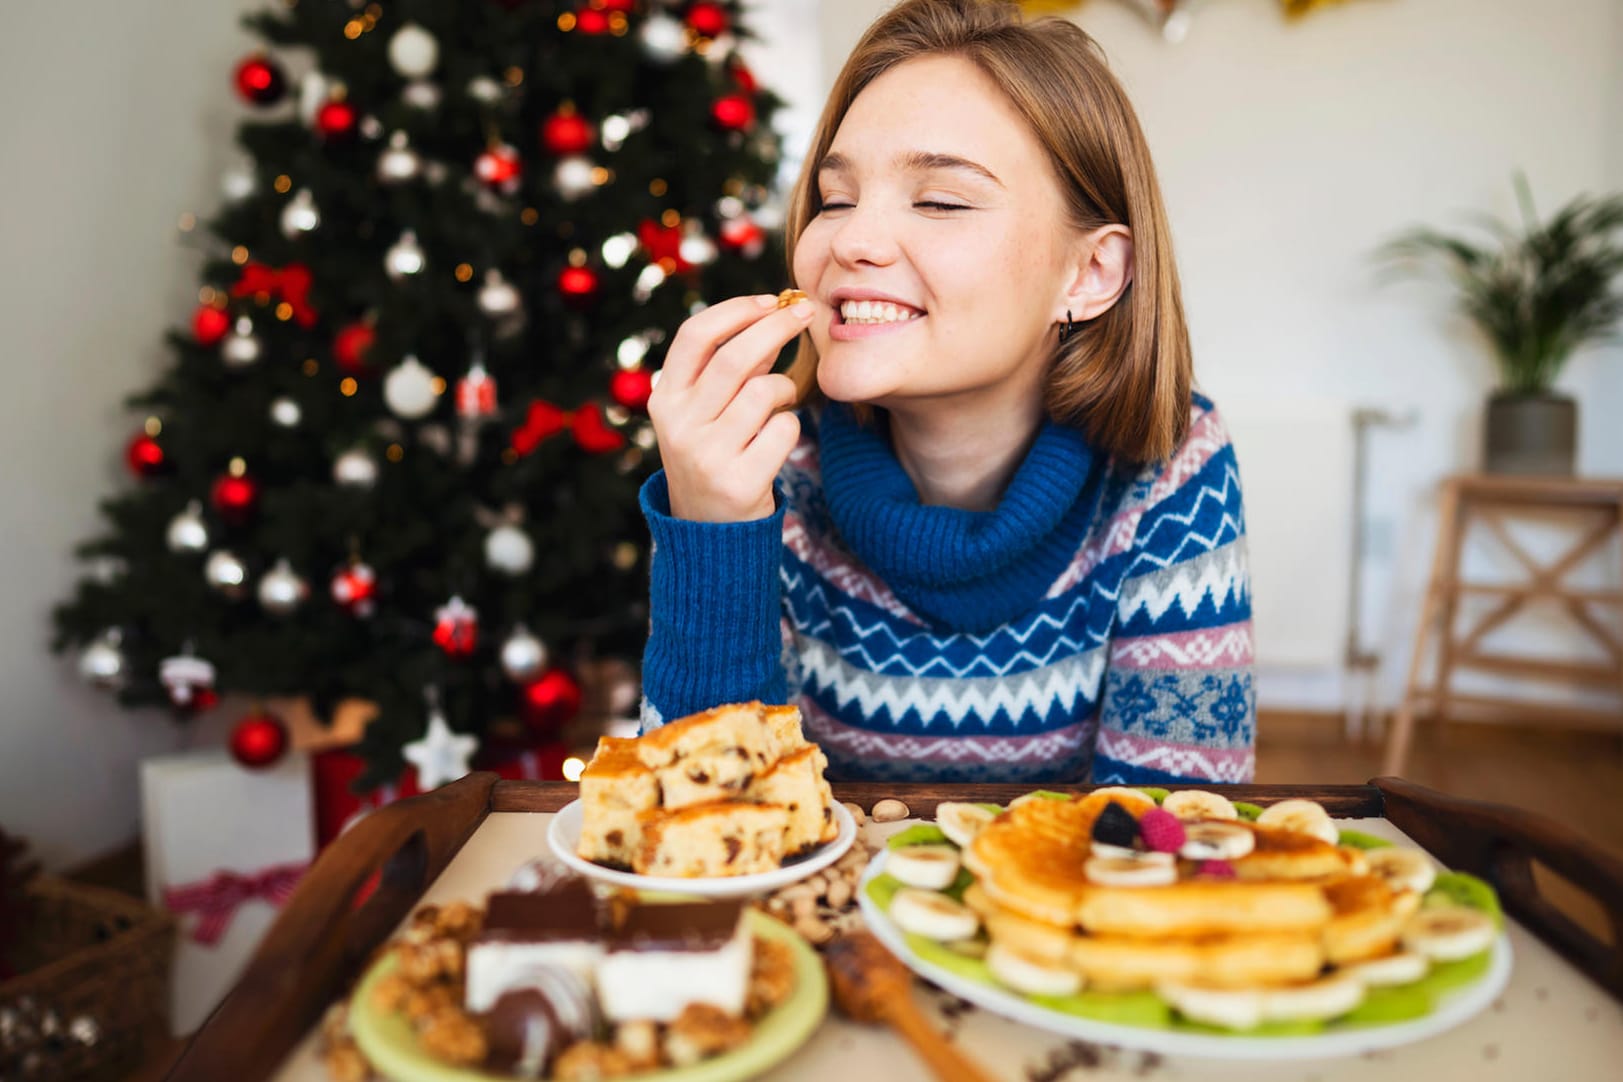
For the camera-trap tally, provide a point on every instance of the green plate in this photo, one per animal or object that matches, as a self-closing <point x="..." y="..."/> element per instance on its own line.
<point x="389" y="1043"/>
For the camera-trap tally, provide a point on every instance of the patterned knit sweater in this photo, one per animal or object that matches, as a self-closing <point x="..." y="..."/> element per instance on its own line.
<point x="1095" y="626"/>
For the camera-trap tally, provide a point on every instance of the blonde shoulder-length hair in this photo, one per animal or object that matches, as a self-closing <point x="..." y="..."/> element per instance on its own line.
<point x="1124" y="378"/>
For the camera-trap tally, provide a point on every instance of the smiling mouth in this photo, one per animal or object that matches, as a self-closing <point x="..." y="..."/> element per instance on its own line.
<point x="875" y="313"/>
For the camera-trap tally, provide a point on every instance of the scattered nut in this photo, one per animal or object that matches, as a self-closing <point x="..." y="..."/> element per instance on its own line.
<point x="890" y="811"/>
<point x="816" y="885"/>
<point x="814" y="931"/>
<point x="803" y="906"/>
<point x="346" y="1064"/>
<point x="839" y="894"/>
<point x="856" y="812"/>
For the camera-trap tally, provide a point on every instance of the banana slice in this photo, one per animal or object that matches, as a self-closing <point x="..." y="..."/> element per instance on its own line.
<point x="1447" y="933"/>
<point x="1194" y="804"/>
<point x="931" y="867"/>
<point x="1400" y="968"/>
<point x="1302" y="816"/>
<point x="1124" y="852"/>
<point x="1141" y="870"/>
<point x="1216" y="841"/>
<point x="1356" y="859"/>
<point x="1231" y="1008"/>
<point x="1328" y="997"/>
<point x="1025" y="974"/>
<point x="932" y="915"/>
<point x="960" y="822"/>
<point x="1402" y="868"/>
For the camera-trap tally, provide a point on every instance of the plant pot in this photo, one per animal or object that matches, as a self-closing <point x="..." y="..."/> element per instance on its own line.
<point x="1531" y="434"/>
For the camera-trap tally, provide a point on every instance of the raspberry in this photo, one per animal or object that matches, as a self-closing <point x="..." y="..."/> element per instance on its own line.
<point x="1216" y="869"/>
<point x="1163" y="832"/>
<point x="1115" y="826"/>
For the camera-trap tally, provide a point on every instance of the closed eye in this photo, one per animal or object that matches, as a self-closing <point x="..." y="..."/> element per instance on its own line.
<point x="931" y="205"/>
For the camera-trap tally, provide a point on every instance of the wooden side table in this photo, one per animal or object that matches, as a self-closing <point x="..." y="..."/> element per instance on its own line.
<point x="1488" y="500"/>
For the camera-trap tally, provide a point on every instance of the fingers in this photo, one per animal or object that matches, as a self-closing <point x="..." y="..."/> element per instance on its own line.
<point x="748" y="354"/>
<point x="701" y="334"/>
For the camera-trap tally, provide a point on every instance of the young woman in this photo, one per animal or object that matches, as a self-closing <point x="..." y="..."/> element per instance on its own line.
<point x="982" y="530"/>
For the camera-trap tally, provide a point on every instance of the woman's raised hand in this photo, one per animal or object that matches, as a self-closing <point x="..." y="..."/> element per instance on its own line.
<point x="721" y="414"/>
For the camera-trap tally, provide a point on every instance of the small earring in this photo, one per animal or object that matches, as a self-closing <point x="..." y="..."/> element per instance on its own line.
<point x="1068" y="328"/>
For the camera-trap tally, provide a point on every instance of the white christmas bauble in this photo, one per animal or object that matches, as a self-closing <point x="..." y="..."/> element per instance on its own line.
<point x="240" y="347"/>
<point x="102" y="662"/>
<point x="614" y="130"/>
<point x="421" y="94"/>
<point x="509" y="550"/>
<point x="631" y="351"/>
<point x="497" y="297"/>
<point x="371" y="128"/>
<point x="285" y="412"/>
<point x="663" y="38"/>
<point x="282" y="590"/>
<point x="523" y="656"/>
<point x="398" y="163"/>
<point x="237" y="183"/>
<point x="618" y="249"/>
<point x="729" y="206"/>
<point x="413" y="51"/>
<point x="187" y="531"/>
<point x="409" y="390"/>
<point x="225" y="573"/>
<point x="300" y="215"/>
<point x="483" y="88"/>
<point x="573" y="177"/>
<point x="355" y="469"/>
<point x="698" y="249"/>
<point x="405" y="257"/>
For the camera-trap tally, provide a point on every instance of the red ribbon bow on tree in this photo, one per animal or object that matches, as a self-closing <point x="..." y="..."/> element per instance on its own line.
<point x="217" y="898"/>
<point x="292" y="283"/>
<point x="592" y="433"/>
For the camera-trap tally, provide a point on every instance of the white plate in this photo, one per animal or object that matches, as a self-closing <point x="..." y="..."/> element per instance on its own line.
<point x="1453" y="1008"/>
<point x="563" y="835"/>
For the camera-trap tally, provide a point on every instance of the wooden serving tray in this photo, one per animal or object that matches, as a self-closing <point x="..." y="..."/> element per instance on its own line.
<point x="323" y="939"/>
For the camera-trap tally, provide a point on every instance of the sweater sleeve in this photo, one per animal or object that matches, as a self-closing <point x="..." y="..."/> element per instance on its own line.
<point x="1179" y="702"/>
<point x="715" y="604"/>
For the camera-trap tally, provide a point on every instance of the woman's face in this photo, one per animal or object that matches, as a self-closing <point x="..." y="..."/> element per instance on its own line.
<point x="936" y="195"/>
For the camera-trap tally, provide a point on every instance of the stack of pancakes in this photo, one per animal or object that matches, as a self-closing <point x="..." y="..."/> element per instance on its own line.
<point x="1295" y="904"/>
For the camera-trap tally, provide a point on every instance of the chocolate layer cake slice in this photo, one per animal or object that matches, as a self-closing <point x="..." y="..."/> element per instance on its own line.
<point x="527" y="932"/>
<point x="665" y="957"/>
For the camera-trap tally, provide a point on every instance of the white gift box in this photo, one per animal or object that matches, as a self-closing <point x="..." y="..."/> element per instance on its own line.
<point x="204" y="814"/>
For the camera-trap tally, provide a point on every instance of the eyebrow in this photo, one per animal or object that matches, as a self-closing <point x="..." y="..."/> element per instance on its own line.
<point x="913" y="161"/>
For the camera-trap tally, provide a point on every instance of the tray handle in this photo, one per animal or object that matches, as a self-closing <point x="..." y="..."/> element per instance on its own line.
<point x="1500" y="844"/>
<point x="330" y="928"/>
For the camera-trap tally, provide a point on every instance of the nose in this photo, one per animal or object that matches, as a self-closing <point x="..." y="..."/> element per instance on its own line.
<point x="865" y="235"/>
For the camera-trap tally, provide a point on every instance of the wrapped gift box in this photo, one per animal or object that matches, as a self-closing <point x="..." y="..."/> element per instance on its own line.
<point x="224" y="847"/>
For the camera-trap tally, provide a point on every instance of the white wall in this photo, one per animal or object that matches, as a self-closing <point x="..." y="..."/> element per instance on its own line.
<point x="1285" y="151"/>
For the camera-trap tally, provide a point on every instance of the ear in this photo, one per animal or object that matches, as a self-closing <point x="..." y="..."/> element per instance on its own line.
<point x="1103" y="270"/>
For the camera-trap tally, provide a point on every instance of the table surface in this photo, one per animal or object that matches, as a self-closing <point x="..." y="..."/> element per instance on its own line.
<point x="1550" y="1022"/>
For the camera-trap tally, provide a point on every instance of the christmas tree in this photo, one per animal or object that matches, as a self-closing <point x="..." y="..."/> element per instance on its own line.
<point x="396" y="456"/>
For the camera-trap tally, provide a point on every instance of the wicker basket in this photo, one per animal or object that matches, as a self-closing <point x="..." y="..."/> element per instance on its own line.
<point x="94" y="985"/>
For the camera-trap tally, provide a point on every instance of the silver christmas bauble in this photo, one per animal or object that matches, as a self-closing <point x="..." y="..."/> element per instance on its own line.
<point x="102" y="662"/>
<point x="225" y="573"/>
<point x="355" y="469"/>
<point x="399" y="163"/>
<point x="663" y="38"/>
<point x="573" y="177"/>
<point x="406" y="257"/>
<point x="413" y="51"/>
<point x="498" y="297"/>
<point x="524" y="656"/>
<point x="300" y="215"/>
<point x="187" y="531"/>
<point x="285" y="412"/>
<point x="509" y="550"/>
<point x="281" y="590"/>
<point x="410" y="390"/>
<point x="421" y="94"/>
<point x="241" y="347"/>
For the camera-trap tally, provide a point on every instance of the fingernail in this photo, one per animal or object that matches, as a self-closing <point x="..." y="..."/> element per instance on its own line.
<point x="766" y="301"/>
<point x="804" y="309"/>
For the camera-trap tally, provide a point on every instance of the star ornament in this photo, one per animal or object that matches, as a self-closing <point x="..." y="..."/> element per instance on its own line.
<point x="441" y="756"/>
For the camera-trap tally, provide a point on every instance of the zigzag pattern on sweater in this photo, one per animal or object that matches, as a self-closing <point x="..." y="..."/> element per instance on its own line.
<point x="1213" y="764"/>
<point x="1218" y="575"/>
<point x="1058" y="754"/>
<point x="1204" y="648"/>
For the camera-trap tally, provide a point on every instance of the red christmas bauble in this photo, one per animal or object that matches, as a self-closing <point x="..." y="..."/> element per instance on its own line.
<point x="707" y="19"/>
<point x="744" y="77"/>
<point x="741" y="234"/>
<point x="234" y="497"/>
<point x="631" y="388"/>
<point x="259" y="740"/>
<point x="735" y="112"/>
<point x="591" y="21"/>
<point x="499" y="167"/>
<point x="624" y="7"/>
<point x="210" y="324"/>
<point x="551" y="701"/>
<point x="260" y="81"/>
<point x="336" y="120"/>
<point x="144" y="456"/>
<point x="578" y="284"/>
<point x="350" y="344"/>
<point x="566" y="132"/>
<point x="355" y="589"/>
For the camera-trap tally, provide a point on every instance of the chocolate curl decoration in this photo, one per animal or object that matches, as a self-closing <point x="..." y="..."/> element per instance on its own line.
<point x="291" y="284"/>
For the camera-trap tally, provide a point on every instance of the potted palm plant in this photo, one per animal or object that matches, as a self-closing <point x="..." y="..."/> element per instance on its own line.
<point x="1538" y="293"/>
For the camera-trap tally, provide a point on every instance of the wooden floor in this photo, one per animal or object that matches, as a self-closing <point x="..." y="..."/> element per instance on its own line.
<point x="1573" y="777"/>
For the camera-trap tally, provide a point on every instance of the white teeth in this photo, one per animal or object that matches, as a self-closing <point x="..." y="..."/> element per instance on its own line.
<point x="876" y="312"/>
